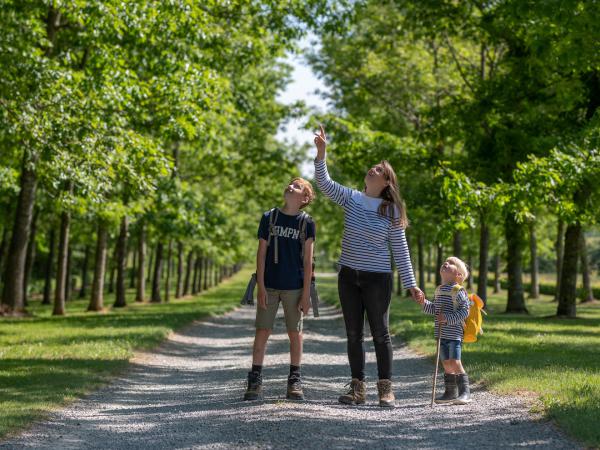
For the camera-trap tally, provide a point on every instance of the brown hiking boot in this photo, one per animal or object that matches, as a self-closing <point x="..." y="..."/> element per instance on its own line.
<point x="386" y="396"/>
<point x="294" y="388"/>
<point x="356" y="395"/>
<point x="254" y="390"/>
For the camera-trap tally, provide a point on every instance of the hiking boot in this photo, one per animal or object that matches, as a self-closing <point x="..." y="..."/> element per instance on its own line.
<point x="386" y="396"/>
<point x="464" y="392"/>
<point x="451" y="389"/>
<point x="254" y="390"/>
<point x="357" y="393"/>
<point x="294" y="388"/>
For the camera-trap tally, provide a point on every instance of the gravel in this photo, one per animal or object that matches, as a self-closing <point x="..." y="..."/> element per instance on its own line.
<point x="187" y="393"/>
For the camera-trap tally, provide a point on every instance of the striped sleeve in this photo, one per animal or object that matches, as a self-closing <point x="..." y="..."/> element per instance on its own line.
<point x="429" y="307"/>
<point x="402" y="256"/>
<point x="462" y="310"/>
<point x="335" y="191"/>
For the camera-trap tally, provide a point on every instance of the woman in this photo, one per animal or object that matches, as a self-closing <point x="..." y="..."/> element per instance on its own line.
<point x="374" y="222"/>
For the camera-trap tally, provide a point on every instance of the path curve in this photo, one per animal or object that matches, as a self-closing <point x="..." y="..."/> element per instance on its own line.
<point x="187" y="394"/>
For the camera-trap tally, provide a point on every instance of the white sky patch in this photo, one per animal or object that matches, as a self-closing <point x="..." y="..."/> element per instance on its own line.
<point x="304" y="86"/>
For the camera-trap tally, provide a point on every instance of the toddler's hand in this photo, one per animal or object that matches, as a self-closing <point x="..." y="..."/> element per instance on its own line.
<point x="441" y="318"/>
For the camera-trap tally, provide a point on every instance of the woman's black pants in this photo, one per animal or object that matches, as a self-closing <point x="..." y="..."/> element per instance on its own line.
<point x="369" y="292"/>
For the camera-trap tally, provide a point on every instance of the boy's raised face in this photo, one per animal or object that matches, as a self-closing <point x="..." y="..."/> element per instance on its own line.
<point x="294" y="192"/>
<point x="451" y="272"/>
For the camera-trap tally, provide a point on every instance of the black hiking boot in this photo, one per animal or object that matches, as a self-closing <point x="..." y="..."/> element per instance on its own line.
<point x="451" y="389"/>
<point x="294" y="388"/>
<point x="464" y="392"/>
<point x="254" y="390"/>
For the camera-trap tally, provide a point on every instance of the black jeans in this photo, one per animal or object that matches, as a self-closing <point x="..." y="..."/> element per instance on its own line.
<point x="369" y="292"/>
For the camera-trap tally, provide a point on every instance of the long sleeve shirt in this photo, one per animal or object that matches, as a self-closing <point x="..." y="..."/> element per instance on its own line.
<point x="368" y="236"/>
<point x="455" y="310"/>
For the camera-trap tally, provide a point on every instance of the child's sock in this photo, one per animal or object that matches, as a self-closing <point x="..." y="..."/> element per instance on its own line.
<point x="256" y="368"/>
<point x="294" y="370"/>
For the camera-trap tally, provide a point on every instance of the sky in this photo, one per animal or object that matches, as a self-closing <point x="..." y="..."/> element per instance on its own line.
<point x="303" y="86"/>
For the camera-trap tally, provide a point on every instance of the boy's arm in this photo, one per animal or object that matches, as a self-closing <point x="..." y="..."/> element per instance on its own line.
<point x="428" y="307"/>
<point x="462" y="311"/>
<point x="261" y="256"/>
<point x="304" y="305"/>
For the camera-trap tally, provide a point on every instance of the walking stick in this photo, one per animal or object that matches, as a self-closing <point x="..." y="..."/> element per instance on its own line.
<point x="437" y="363"/>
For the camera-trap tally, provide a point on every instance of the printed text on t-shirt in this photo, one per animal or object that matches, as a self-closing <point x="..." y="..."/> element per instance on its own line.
<point x="287" y="232"/>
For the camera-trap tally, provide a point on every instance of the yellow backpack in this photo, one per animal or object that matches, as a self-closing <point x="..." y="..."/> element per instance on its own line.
<point x="473" y="323"/>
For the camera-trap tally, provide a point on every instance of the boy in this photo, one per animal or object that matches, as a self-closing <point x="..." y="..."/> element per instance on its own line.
<point x="451" y="308"/>
<point x="283" y="272"/>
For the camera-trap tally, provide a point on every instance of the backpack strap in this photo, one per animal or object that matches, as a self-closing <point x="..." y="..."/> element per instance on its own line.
<point x="303" y="219"/>
<point x="455" y="290"/>
<point x="273" y="215"/>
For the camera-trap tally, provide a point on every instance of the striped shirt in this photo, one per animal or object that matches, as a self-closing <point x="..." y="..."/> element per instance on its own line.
<point x="368" y="236"/>
<point x="455" y="311"/>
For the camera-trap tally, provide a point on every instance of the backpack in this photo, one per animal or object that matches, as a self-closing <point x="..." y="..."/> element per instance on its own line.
<point x="473" y="323"/>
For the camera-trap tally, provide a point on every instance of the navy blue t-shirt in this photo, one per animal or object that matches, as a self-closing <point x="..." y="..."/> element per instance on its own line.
<point x="288" y="273"/>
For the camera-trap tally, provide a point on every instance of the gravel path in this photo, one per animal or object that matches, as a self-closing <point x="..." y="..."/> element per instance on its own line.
<point x="187" y="394"/>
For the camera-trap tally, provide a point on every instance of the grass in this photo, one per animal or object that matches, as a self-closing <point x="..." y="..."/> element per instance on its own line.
<point x="46" y="362"/>
<point x="554" y="360"/>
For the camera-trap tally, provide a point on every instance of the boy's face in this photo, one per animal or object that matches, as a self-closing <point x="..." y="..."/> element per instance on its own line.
<point x="450" y="273"/>
<point x="294" y="192"/>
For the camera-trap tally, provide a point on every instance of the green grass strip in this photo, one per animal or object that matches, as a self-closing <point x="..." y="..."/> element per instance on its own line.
<point x="46" y="362"/>
<point x="556" y="361"/>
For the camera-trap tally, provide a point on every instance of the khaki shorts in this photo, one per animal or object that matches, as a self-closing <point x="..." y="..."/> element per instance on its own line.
<point x="265" y="318"/>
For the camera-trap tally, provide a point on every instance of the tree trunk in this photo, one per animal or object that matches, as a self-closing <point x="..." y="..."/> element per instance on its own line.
<point x="588" y="291"/>
<point x="97" y="299"/>
<point x="121" y="263"/>
<point x="141" y="277"/>
<point x="484" y="245"/>
<point x="440" y="261"/>
<point x="204" y="271"/>
<point x="534" y="291"/>
<point x="421" y="261"/>
<point x="429" y="263"/>
<point x="399" y="288"/>
<point x="133" y="269"/>
<point x="61" y="267"/>
<point x="457" y="244"/>
<point x="195" y="281"/>
<point x="158" y="263"/>
<point x="68" y="284"/>
<point x="14" y="274"/>
<point x="560" y="250"/>
<point x="49" y="265"/>
<point x="515" y="244"/>
<point x="188" y="271"/>
<point x="84" y="271"/>
<point x="3" y="245"/>
<point x="179" y="283"/>
<point x="150" y="264"/>
<point x="31" y="247"/>
<point x="113" y="269"/>
<point x="168" y="280"/>
<point x="497" y="285"/>
<point x="568" y="286"/>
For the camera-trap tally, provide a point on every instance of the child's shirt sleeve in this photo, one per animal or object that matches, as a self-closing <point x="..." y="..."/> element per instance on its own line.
<point x="462" y="310"/>
<point x="333" y="190"/>
<point x="263" y="227"/>
<point x="429" y="307"/>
